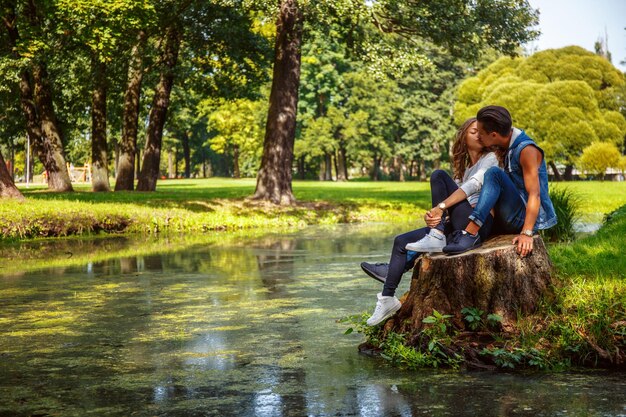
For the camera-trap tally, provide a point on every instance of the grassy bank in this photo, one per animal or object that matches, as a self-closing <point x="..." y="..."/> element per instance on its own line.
<point x="206" y="205"/>
<point x="201" y="206"/>
<point x="584" y="325"/>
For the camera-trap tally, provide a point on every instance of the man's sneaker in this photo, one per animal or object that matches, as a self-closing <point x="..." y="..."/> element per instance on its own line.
<point x="434" y="241"/>
<point x="385" y="308"/>
<point x="461" y="241"/>
<point x="377" y="271"/>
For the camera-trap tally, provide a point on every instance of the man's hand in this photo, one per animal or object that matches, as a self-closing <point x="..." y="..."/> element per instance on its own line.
<point x="524" y="244"/>
<point x="433" y="216"/>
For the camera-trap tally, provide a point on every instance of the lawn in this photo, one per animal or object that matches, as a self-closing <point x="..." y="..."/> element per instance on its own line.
<point x="202" y="205"/>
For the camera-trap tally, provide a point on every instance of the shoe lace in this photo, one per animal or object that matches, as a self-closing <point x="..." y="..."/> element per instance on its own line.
<point x="379" y="307"/>
<point x="456" y="236"/>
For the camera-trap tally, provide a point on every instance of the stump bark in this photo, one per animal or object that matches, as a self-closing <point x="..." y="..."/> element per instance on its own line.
<point x="493" y="278"/>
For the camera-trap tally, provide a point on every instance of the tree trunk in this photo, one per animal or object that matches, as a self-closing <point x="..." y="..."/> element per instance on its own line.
<point x="170" y="164"/>
<point x="236" y="172"/>
<point x="99" y="160"/>
<point x="274" y="177"/>
<point x="152" y="152"/>
<point x="555" y="171"/>
<point x="568" y="176"/>
<point x="52" y="144"/>
<point x="328" y="167"/>
<point x="137" y="162"/>
<point x="186" y="153"/>
<point x="342" y="171"/>
<point x="301" y="168"/>
<point x="128" y="145"/>
<point x="47" y="151"/>
<point x="7" y="186"/>
<point x="493" y="278"/>
<point x="375" y="175"/>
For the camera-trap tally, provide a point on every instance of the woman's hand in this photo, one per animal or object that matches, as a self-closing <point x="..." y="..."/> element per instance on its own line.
<point x="433" y="216"/>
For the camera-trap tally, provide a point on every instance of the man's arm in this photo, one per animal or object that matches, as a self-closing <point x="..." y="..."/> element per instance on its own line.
<point x="530" y="159"/>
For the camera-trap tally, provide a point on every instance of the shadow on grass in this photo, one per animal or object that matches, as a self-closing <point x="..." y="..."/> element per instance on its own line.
<point x="201" y="195"/>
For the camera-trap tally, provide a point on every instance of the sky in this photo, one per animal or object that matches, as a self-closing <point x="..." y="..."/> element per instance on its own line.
<point x="582" y="22"/>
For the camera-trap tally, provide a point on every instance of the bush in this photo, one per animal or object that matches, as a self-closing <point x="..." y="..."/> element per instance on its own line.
<point x="567" y="207"/>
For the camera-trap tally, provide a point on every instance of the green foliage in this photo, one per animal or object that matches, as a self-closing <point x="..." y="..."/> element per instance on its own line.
<point x="440" y="324"/>
<point x="462" y="27"/>
<point x="598" y="157"/>
<point x="474" y="317"/>
<point x="565" y="99"/>
<point x="394" y="348"/>
<point x="240" y="127"/>
<point x="438" y="336"/>
<point x="517" y="357"/>
<point x="567" y="207"/>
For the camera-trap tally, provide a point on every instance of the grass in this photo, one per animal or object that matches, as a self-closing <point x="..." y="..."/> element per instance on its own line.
<point x="200" y="206"/>
<point x="204" y="205"/>
<point x="587" y="323"/>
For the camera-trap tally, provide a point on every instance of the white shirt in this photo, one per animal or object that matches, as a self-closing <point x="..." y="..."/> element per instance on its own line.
<point x="474" y="176"/>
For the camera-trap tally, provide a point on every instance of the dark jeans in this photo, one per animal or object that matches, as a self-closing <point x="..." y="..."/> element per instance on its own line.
<point x="441" y="186"/>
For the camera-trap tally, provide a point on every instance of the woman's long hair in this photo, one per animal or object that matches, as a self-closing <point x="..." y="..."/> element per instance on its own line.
<point x="460" y="156"/>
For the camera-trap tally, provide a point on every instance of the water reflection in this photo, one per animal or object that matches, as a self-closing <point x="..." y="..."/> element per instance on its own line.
<point x="243" y="328"/>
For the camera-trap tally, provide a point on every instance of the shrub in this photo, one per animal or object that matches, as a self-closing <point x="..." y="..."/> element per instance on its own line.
<point x="567" y="207"/>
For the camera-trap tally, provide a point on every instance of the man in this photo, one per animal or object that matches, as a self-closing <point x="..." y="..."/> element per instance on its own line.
<point x="518" y="194"/>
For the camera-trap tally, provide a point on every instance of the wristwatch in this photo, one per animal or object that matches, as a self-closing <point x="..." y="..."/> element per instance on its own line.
<point x="527" y="232"/>
<point x="442" y="206"/>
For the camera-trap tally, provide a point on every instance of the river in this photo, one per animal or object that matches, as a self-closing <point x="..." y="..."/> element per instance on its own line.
<point x="245" y="326"/>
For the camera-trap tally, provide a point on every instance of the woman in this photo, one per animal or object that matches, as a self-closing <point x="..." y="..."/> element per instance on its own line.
<point x="452" y="200"/>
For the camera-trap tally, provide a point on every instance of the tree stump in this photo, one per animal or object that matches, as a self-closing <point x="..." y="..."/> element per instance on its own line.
<point x="492" y="278"/>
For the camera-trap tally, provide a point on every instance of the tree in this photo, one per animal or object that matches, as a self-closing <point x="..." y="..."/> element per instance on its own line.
<point x="29" y="42"/>
<point x="7" y="186"/>
<point x="152" y="152"/>
<point x="463" y="27"/>
<point x="222" y="54"/>
<point x="239" y="132"/>
<point x="99" y="29"/>
<point x="598" y="157"/>
<point x="124" y="180"/>
<point x="565" y="98"/>
<point x="274" y="177"/>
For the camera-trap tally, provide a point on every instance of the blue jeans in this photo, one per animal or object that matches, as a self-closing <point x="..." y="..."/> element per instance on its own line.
<point x="499" y="193"/>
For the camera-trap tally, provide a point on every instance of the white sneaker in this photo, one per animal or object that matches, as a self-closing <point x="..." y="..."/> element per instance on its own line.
<point x="434" y="241"/>
<point x="385" y="308"/>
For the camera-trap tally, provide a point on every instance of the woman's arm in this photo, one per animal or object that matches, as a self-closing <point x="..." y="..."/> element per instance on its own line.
<point x="433" y="216"/>
<point x="475" y="182"/>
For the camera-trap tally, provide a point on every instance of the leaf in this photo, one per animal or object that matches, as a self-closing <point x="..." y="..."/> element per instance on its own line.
<point x="429" y="320"/>
<point x="350" y="330"/>
<point x="494" y="317"/>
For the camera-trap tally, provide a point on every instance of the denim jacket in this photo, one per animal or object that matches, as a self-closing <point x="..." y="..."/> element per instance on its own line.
<point x="547" y="216"/>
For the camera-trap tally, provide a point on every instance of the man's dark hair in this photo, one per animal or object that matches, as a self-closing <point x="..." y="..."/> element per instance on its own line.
<point x="495" y="119"/>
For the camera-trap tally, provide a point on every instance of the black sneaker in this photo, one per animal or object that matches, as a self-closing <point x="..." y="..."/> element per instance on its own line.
<point x="461" y="241"/>
<point x="378" y="271"/>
